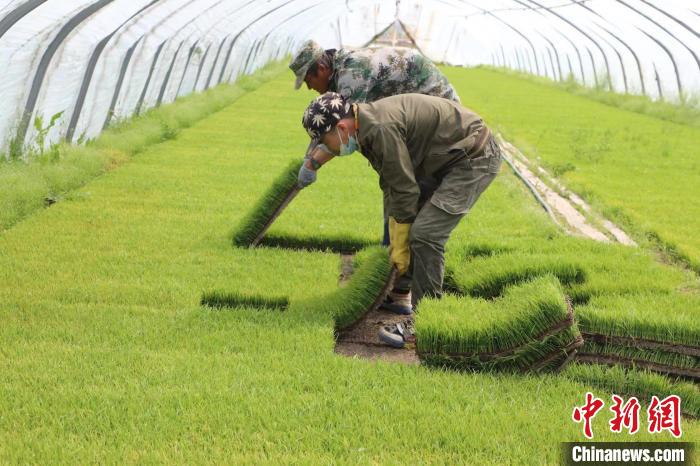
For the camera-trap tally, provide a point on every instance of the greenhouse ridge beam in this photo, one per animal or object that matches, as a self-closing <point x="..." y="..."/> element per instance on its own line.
<point x="87" y="78"/>
<point x="657" y="24"/>
<point x="670" y="55"/>
<point x="405" y="29"/>
<point x="120" y="81"/>
<point x="44" y="65"/>
<point x="168" y="74"/>
<point x="18" y="13"/>
<point x="634" y="54"/>
<point x="567" y="21"/>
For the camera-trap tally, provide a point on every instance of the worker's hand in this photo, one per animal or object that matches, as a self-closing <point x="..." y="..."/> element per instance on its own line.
<point x="399" y="250"/>
<point x="306" y="175"/>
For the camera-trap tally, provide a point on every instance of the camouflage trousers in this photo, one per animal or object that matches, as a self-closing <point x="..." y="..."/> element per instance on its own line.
<point x="462" y="185"/>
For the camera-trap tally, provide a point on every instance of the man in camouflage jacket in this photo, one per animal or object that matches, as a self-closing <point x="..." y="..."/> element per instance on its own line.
<point x="366" y="75"/>
<point x="360" y="76"/>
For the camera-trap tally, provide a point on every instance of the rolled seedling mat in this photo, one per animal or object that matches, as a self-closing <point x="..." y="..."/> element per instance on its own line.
<point x="531" y="328"/>
<point x="366" y="290"/>
<point x="269" y="207"/>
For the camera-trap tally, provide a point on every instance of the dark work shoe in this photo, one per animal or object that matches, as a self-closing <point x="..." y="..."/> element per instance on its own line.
<point x="398" y="303"/>
<point x="397" y="335"/>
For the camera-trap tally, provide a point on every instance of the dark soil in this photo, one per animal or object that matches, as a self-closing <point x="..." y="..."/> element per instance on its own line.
<point x="361" y="338"/>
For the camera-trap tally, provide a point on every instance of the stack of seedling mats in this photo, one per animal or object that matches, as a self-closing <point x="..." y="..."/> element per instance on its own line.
<point x="531" y="327"/>
<point x="628" y="307"/>
<point x="632" y="331"/>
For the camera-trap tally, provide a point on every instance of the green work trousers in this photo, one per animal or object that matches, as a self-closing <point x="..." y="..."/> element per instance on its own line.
<point x="440" y="213"/>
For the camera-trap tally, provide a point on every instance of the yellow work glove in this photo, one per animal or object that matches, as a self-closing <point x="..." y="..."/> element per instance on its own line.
<point x="398" y="249"/>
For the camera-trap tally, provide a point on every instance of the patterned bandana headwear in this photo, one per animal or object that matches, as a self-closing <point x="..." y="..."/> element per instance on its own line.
<point x="308" y="54"/>
<point x="323" y="113"/>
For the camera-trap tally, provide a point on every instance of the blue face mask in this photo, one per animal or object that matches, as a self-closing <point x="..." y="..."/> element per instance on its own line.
<point x="350" y="147"/>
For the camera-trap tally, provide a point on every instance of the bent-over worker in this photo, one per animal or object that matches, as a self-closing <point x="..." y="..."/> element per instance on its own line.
<point x="434" y="158"/>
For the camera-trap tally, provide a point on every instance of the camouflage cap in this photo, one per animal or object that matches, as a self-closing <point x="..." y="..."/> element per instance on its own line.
<point x="307" y="55"/>
<point x="323" y="113"/>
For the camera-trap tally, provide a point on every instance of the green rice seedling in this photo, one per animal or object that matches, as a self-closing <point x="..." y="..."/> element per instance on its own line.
<point x="585" y="268"/>
<point x="629" y="354"/>
<point x="531" y="325"/>
<point x="672" y="318"/>
<point x="490" y="249"/>
<point x="637" y="169"/>
<point x="162" y="123"/>
<point x="367" y="286"/>
<point x="658" y="314"/>
<point x="658" y="331"/>
<point x="338" y="244"/>
<point x="686" y="112"/>
<point x="549" y="353"/>
<point x="344" y="203"/>
<point x="223" y="299"/>
<point x="635" y="382"/>
<point x="106" y="352"/>
<point x="264" y="211"/>
<point x="26" y="187"/>
<point x="488" y="277"/>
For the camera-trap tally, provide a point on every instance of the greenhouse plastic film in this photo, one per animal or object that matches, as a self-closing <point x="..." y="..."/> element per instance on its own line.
<point x="97" y="62"/>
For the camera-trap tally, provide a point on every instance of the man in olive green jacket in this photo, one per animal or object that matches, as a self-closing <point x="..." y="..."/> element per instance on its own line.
<point x="434" y="158"/>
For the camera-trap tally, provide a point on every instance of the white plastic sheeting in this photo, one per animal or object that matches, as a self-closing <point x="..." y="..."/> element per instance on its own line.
<point x="638" y="46"/>
<point x="96" y="61"/>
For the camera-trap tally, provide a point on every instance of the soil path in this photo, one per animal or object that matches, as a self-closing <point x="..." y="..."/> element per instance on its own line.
<point x="561" y="203"/>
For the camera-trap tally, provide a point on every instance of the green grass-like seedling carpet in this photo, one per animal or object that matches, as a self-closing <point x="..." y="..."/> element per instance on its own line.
<point x="529" y="328"/>
<point x="640" y="170"/>
<point x="107" y="355"/>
